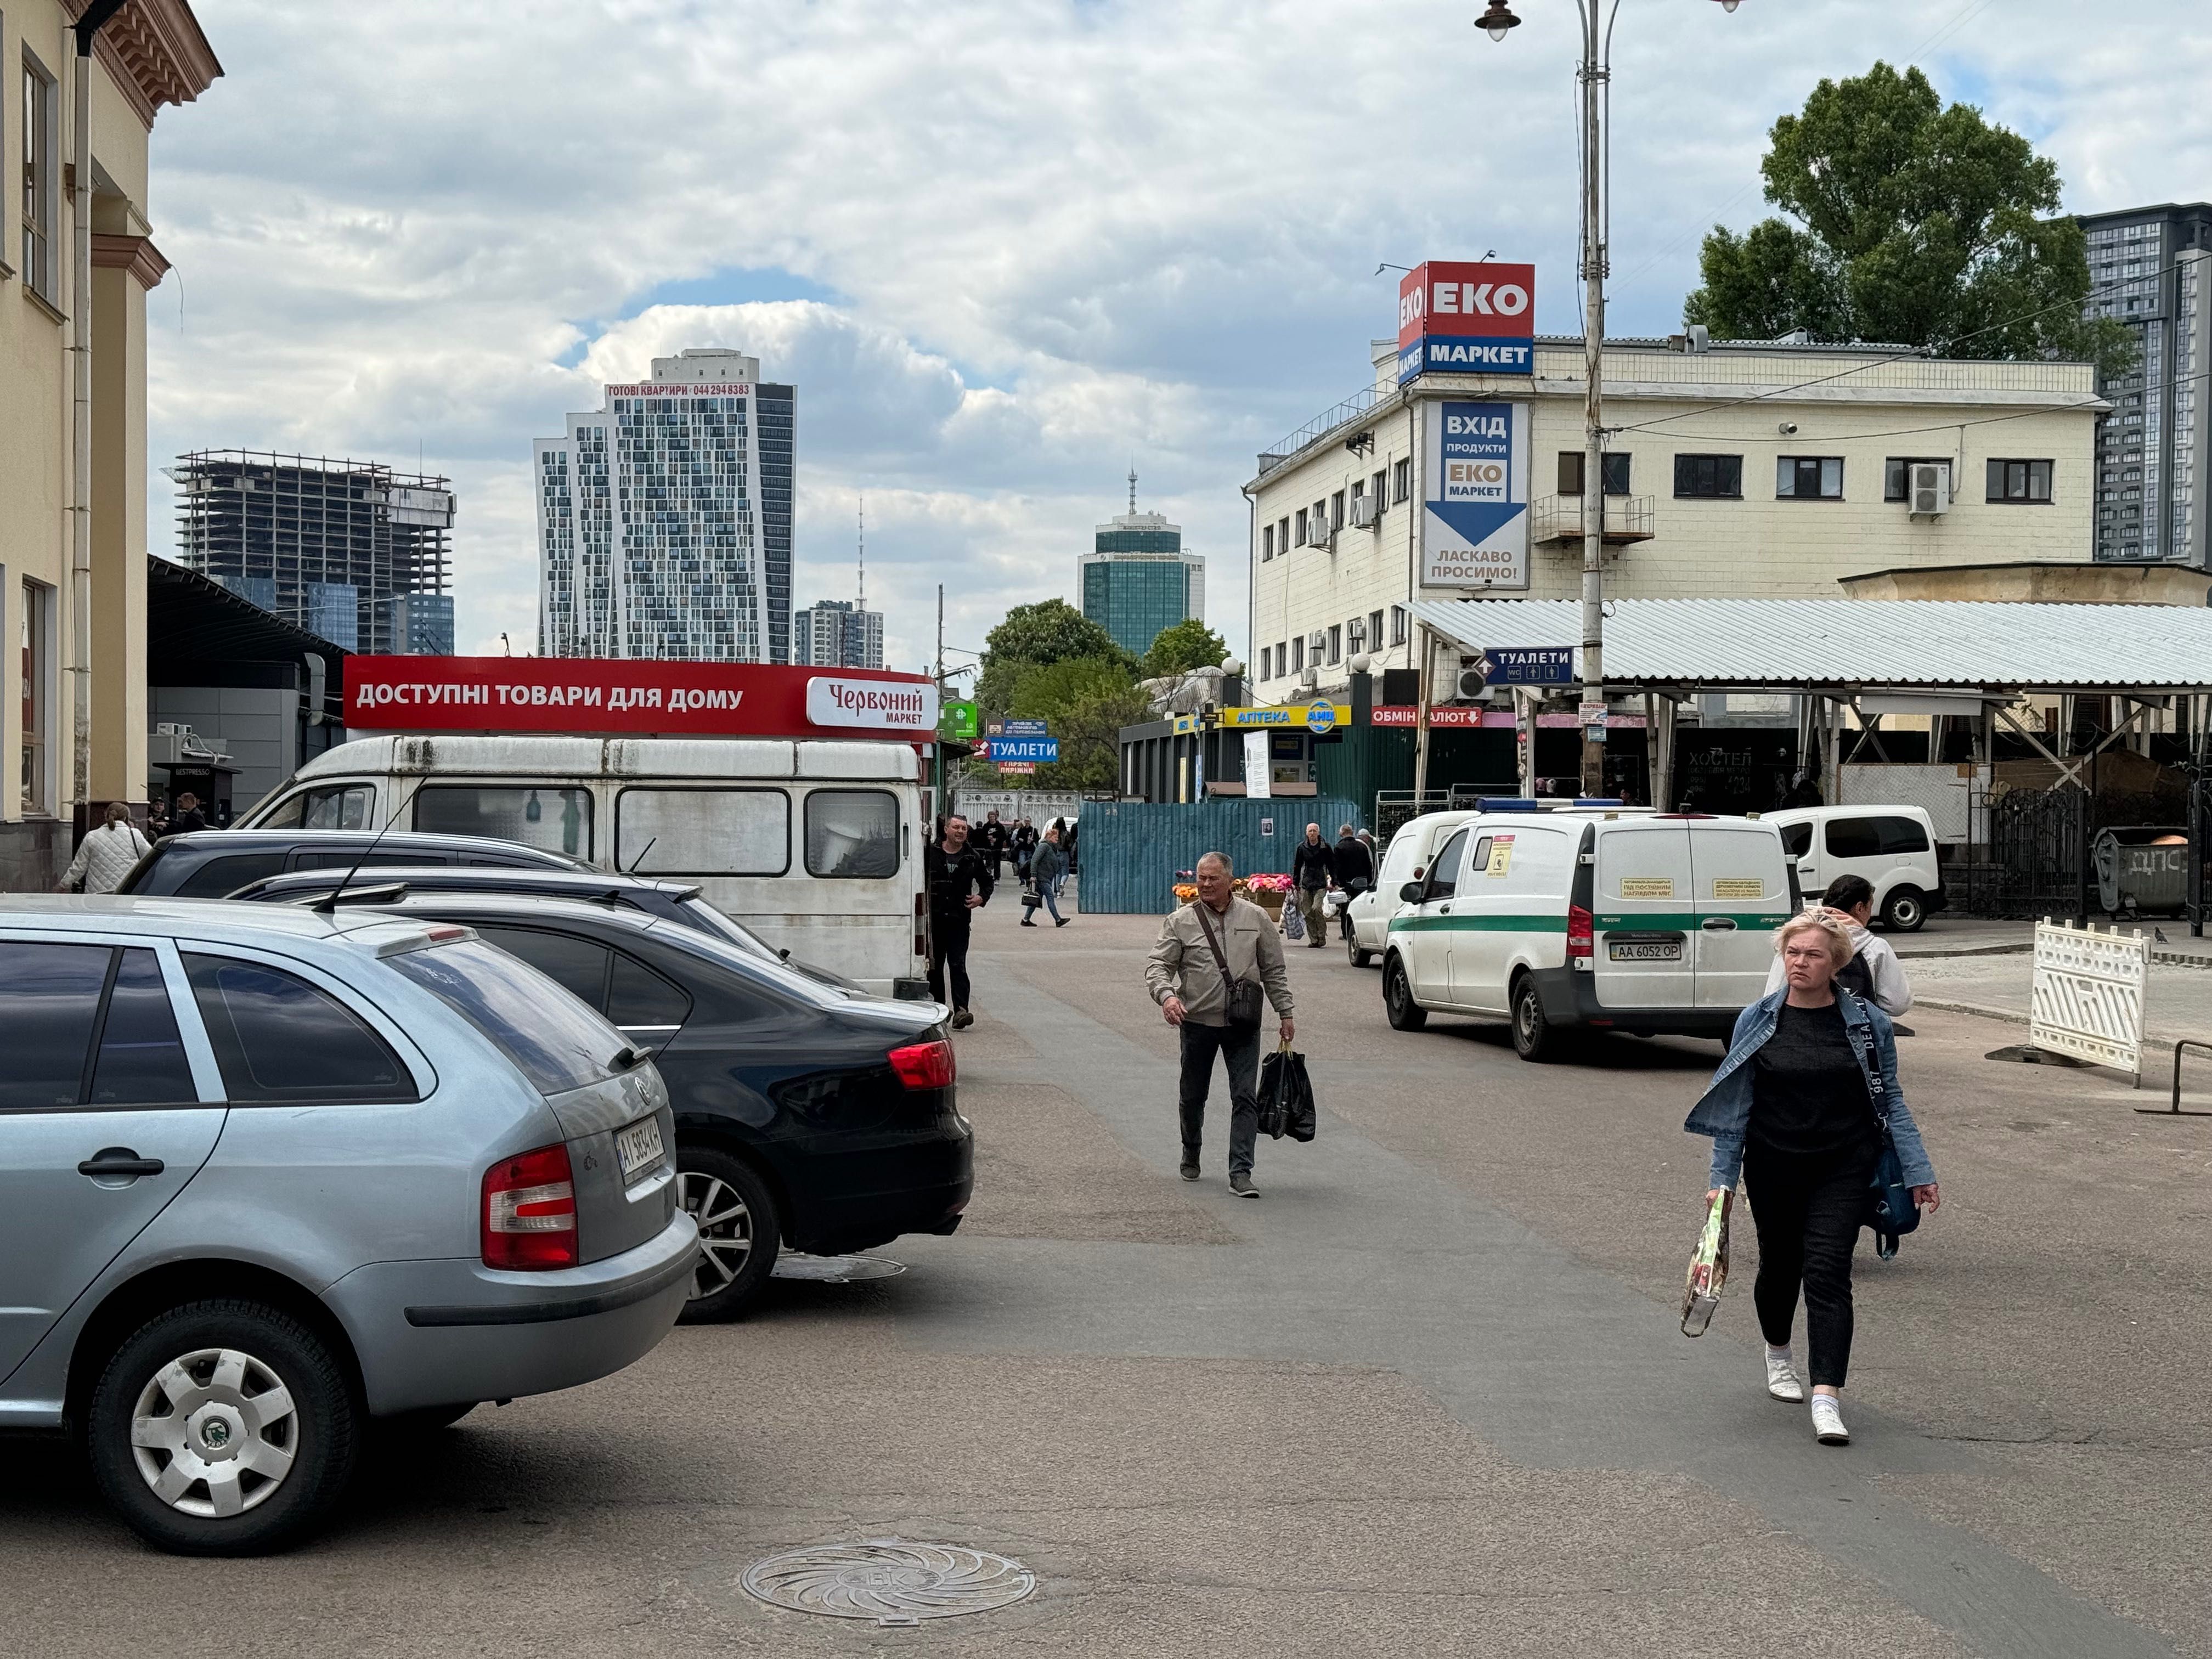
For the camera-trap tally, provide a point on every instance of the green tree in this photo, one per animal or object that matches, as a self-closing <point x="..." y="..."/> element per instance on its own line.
<point x="1189" y="644"/>
<point x="1917" y="222"/>
<point x="1085" y="701"/>
<point x="1031" y="635"/>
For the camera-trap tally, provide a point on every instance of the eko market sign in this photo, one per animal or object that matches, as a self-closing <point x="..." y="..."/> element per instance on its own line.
<point x="1460" y="318"/>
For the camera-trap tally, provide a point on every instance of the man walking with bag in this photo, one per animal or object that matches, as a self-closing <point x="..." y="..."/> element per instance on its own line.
<point x="1215" y="958"/>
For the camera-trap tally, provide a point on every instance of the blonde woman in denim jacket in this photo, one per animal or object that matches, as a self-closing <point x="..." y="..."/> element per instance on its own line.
<point x="1792" y="1110"/>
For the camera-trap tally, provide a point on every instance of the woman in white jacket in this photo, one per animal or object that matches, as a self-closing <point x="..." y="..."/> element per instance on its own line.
<point x="1873" y="971"/>
<point x="105" y="856"/>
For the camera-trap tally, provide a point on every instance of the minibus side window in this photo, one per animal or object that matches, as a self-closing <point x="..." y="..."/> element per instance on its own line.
<point x="537" y="815"/>
<point x="852" y="833"/>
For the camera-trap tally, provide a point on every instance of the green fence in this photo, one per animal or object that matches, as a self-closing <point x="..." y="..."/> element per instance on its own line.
<point x="1130" y="850"/>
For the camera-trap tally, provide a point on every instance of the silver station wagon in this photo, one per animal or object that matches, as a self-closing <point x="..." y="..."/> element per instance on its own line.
<point x="273" y="1181"/>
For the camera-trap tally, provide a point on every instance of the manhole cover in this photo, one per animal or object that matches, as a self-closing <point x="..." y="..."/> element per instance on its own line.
<point x="890" y="1581"/>
<point x="835" y="1269"/>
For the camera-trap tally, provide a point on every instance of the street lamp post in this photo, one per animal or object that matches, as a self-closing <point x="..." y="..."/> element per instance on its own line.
<point x="1594" y="141"/>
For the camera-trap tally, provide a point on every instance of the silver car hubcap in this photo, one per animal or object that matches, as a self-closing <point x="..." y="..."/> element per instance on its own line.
<point x="214" y="1433"/>
<point x="726" y="1231"/>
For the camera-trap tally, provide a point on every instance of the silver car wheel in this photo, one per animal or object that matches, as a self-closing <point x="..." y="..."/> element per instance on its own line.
<point x="726" y="1230"/>
<point x="215" y="1433"/>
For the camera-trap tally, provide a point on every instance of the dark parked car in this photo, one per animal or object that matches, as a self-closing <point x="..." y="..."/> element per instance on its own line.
<point x="670" y="900"/>
<point x="804" y="1116"/>
<point x="212" y="863"/>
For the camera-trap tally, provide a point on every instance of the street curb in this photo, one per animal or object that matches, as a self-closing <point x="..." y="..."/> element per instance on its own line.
<point x="1981" y="1008"/>
<point x="1966" y="950"/>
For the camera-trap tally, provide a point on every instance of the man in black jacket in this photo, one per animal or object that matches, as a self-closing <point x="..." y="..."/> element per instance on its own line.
<point x="960" y="881"/>
<point x="1355" y="871"/>
<point x="1310" y="869"/>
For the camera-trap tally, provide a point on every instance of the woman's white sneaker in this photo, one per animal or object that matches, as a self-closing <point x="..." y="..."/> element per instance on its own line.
<point x="1828" y="1422"/>
<point x="1781" y="1381"/>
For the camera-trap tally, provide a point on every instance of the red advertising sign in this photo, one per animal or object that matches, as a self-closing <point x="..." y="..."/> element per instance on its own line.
<point x="634" y="698"/>
<point x="1457" y="297"/>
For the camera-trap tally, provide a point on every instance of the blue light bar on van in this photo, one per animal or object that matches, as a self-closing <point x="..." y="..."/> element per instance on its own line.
<point x="1522" y="804"/>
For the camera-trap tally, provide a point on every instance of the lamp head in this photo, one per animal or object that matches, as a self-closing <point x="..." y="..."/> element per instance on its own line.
<point x="1498" y="20"/>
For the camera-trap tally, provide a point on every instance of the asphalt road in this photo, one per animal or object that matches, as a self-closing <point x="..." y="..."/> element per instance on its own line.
<point x="1426" y="1396"/>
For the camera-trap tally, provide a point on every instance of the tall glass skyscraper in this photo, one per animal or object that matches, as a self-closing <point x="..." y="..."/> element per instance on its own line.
<point x="2151" y="267"/>
<point x="663" y="519"/>
<point x="1137" y="580"/>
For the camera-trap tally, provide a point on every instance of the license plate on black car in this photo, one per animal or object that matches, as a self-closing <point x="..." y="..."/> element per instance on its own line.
<point x="1643" y="949"/>
<point x="639" y="1146"/>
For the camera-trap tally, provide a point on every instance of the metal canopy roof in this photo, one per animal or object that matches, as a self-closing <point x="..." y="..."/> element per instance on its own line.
<point x="1784" y="644"/>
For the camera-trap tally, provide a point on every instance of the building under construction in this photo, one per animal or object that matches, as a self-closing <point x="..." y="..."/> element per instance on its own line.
<point x="351" y="550"/>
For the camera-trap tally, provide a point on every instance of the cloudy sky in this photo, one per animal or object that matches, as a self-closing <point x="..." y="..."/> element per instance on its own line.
<point x="1005" y="248"/>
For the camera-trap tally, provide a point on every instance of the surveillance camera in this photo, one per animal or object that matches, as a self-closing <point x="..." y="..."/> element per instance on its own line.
<point x="1788" y="429"/>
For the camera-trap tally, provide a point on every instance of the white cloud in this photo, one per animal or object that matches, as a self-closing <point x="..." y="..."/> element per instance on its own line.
<point x="1056" y="237"/>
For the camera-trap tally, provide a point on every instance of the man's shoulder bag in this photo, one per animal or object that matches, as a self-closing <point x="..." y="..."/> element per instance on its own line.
<point x="1245" y="998"/>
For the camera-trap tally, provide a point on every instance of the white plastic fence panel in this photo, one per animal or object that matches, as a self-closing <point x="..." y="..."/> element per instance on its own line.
<point x="2087" y="997"/>
<point x="1949" y="799"/>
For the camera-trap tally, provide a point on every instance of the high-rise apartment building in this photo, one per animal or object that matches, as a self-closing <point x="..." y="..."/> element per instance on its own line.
<point x="664" y="519"/>
<point x="326" y="544"/>
<point x="837" y="633"/>
<point x="2151" y="267"/>
<point x="1137" y="580"/>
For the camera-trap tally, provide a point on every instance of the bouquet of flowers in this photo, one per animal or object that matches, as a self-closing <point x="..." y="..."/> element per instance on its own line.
<point x="1267" y="883"/>
<point x="1185" y="891"/>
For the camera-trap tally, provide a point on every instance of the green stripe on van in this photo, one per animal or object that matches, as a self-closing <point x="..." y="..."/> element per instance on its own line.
<point x="1527" y="924"/>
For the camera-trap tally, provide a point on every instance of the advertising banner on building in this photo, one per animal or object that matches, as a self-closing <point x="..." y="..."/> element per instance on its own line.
<point x="1458" y="317"/>
<point x="634" y="697"/>
<point x="1475" y="509"/>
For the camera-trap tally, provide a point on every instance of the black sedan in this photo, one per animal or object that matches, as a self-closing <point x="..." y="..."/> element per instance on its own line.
<point x="672" y="901"/>
<point x="804" y="1117"/>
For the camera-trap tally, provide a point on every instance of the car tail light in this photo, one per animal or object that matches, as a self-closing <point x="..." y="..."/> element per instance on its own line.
<point x="921" y="925"/>
<point x="1581" y="931"/>
<point x="924" y="1065"/>
<point x="530" y="1211"/>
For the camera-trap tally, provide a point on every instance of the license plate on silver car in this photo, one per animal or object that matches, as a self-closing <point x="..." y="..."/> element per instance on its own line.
<point x="1643" y="949"/>
<point x="639" y="1146"/>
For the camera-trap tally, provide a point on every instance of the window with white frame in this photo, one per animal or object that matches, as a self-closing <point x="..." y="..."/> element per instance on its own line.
<point x="1401" y="481"/>
<point x="1399" y="617"/>
<point x="40" y="135"/>
<point x="1266" y="542"/>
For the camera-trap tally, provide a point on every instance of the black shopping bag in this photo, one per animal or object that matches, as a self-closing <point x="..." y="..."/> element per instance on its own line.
<point x="1286" y="1100"/>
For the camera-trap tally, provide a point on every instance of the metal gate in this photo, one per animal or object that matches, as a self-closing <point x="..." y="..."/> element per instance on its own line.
<point x="2030" y="865"/>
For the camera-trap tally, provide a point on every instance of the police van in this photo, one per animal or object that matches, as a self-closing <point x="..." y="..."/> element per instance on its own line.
<point x="1652" y="923"/>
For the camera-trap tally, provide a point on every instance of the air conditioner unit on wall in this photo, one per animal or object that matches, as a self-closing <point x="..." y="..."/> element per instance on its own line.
<point x="1472" y="685"/>
<point x="1366" y="512"/>
<point x="1929" y="489"/>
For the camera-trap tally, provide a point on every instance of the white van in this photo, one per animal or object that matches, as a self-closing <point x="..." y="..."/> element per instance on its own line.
<point x="1650" y="923"/>
<point x="1406" y="859"/>
<point x="1893" y="847"/>
<point x="815" y="846"/>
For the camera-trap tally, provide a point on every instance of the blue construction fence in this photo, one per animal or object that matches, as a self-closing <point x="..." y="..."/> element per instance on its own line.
<point x="1130" y="850"/>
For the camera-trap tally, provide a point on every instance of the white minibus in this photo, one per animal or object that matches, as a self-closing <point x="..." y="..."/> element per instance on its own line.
<point x="817" y="846"/>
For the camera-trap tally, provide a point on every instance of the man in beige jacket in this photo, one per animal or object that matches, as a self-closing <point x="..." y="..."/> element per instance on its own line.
<point x="1186" y="981"/>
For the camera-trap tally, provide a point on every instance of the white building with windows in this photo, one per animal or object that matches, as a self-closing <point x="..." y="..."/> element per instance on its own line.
<point x="664" y="519"/>
<point x="1737" y="469"/>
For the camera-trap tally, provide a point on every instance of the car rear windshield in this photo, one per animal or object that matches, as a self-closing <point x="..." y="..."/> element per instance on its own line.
<point x="559" y="1043"/>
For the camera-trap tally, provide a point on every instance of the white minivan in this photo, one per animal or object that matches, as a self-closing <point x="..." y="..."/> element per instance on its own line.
<point x="1652" y="923"/>
<point x="815" y="846"/>
<point x="1893" y="847"/>
<point x="1406" y="859"/>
